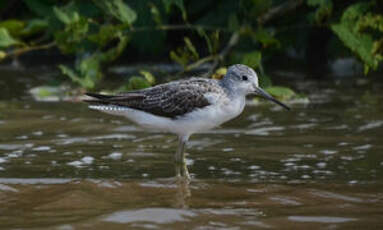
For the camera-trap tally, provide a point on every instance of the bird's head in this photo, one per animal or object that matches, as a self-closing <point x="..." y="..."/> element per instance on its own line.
<point x="244" y="80"/>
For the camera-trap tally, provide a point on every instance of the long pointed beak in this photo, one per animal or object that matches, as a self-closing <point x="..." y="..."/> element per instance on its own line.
<point x="260" y="92"/>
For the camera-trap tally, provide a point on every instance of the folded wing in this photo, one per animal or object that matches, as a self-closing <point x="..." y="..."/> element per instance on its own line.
<point x="168" y="100"/>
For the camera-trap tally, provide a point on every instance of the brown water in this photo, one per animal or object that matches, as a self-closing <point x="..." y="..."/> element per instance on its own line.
<point x="319" y="166"/>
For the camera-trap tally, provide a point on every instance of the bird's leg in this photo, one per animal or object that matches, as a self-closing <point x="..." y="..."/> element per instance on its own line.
<point x="178" y="157"/>
<point x="181" y="167"/>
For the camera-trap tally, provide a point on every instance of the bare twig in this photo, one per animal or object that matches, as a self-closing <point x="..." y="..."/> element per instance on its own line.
<point x="279" y="10"/>
<point x="215" y="58"/>
<point x="17" y="52"/>
<point x="175" y="27"/>
<point x="200" y="62"/>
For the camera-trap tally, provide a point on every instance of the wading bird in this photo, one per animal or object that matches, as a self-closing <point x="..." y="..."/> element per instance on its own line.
<point x="187" y="106"/>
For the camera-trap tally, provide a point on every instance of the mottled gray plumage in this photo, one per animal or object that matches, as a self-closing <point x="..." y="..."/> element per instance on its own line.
<point x="170" y="100"/>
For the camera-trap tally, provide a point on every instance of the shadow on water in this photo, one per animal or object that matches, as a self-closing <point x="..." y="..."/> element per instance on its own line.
<point x="63" y="166"/>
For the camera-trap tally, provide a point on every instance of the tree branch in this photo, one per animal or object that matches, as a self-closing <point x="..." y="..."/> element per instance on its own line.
<point x="176" y="27"/>
<point x="17" y="52"/>
<point x="279" y="10"/>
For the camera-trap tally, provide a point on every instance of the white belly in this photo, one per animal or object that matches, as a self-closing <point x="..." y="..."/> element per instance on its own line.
<point x="209" y="117"/>
<point x="196" y="121"/>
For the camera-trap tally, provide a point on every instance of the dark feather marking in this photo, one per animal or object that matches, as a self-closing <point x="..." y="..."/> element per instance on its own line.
<point x="168" y="100"/>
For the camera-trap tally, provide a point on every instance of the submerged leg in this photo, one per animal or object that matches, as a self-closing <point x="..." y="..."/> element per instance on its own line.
<point x="181" y="167"/>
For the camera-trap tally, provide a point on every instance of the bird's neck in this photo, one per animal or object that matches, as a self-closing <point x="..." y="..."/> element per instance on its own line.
<point x="229" y="86"/>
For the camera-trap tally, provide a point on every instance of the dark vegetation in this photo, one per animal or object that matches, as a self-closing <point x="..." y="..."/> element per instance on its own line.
<point x="95" y="34"/>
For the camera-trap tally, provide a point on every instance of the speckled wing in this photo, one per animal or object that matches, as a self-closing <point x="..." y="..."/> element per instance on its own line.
<point x="168" y="100"/>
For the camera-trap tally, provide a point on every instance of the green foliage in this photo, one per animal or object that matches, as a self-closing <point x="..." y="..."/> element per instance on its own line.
<point x="81" y="36"/>
<point x="76" y="30"/>
<point x="139" y="82"/>
<point x="372" y="21"/>
<point x="3" y="55"/>
<point x="6" y="39"/>
<point x="252" y="59"/>
<point x="265" y="37"/>
<point x="219" y="73"/>
<point x="148" y="76"/>
<point x="105" y="34"/>
<point x="49" y="92"/>
<point x="255" y="8"/>
<point x="280" y="92"/>
<point x="13" y="26"/>
<point x="191" y="48"/>
<point x="34" y="26"/>
<point x="42" y="8"/>
<point x="87" y="72"/>
<point x="352" y="31"/>
<point x="136" y="83"/>
<point x="178" y="3"/>
<point x="118" y="9"/>
<point x="186" y="54"/>
<point x="191" y="33"/>
<point x="323" y="11"/>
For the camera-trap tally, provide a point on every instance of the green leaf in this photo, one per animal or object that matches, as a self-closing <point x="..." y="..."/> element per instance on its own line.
<point x="280" y="92"/>
<point x="87" y="71"/>
<point x="105" y="34"/>
<point x="72" y="39"/>
<point x="373" y="21"/>
<point x="90" y="69"/>
<point x="6" y="39"/>
<point x="136" y="83"/>
<point x="73" y="76"/>
<point x="48" y="92"/>
<point x="148" y="76"/>
<point x="117" y="9"/>
<point x="61" y="15"/>
<point x="360" y="42"/>
<point x="181" y="58"/>
<point x="191" y="48"/>
<point x="13" y="26"/>
<point x="377" y="47"/>
<point x="2" y="55"/>
<point x="219" y="73"/>
<point x="116" y="51"/>
<point x="252" y="59"/>
<point x="66" y="16"/>
<point x="179" y="3"/>
<point x="323" y="11"/>
<point x="265" y="37"/>
<point x="156" y="15"/>
<point x="35" y="26"/>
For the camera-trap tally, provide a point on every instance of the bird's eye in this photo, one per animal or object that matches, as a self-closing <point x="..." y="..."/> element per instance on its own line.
<point x="245" y="78"/>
